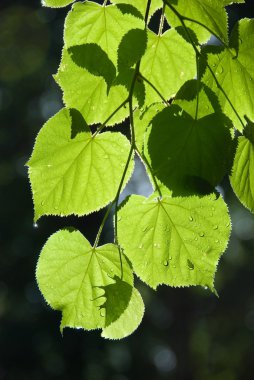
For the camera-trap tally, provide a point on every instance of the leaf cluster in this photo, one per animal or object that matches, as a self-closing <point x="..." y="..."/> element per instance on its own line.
<point x="184" y="100"/>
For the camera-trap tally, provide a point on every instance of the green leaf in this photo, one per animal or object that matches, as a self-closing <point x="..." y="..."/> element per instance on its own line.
<point x="203" y="14"/>
<point x="189" y="153"/>
<point x="242" y="177"/>
<point x="89" y="93"/>
<point x="72" y="277"/>
<point x="105" y="26"/>
<point x="141" y="5"/>
<point x="234" y="71"/>
<point x="229" y="2"/>
<point x="56" y="3"/>
<point x="168" y="62"/>
<point x="128" y="321"/>
<point x="174" y="241"/>
<point x="75" y="175"/>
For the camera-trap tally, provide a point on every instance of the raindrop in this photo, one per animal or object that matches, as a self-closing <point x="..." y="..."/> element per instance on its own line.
<point x="196" y="239"/>
<point x="220" y="70"/>
<point x="165" y="263"/>
<point x="190" y="218"/>
<point x="119" y="218"/>
<point x="55" y="208"/>
<point x="35" y="225"/>
<point x="201" y="234"/>
<point x="217" y="241"/>
<point x="102" y="313"/>
<point x="215" y="227"/>
<point x="190" y="265"/>
<point x="42" y="203"/>
<point x="141" y="246"/>
<point x="170" y="257"/>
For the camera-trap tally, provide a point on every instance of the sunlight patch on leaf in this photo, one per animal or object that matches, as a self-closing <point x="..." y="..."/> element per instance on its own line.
<point x="174" y="241"/>
<point x="75" y="175"/>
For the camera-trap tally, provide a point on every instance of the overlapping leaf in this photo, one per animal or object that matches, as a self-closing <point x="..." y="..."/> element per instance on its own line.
<point x="140" y="5"/>
<point x="129" y="321"/>
<point x="71" y="171"/>
<point x="203" y="14"/>
<point x="79" y="280"/>
<point x="242" y="177"/>
<point x="56" y="3"/>
<point x="174" y="241"/>
<point x="234" y="72"/>
<point x="89" y="22"/>
<point x="168" y="62"/>
<point x="189" y="146"/>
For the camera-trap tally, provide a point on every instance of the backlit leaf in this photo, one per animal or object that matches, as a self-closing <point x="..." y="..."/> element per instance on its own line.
<point x="174" y="241"/>
<point x="203" y="14"/>
<point x="168" y="62"/>
<point x="75" y="174"/>
<point x="234" y="71"/>
<point x="242" y="177"/>
<point x="72" y="277"/>
<point x="56" y="3"/>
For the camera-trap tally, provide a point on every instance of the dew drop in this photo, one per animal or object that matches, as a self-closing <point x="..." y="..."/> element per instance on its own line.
<point x="42" y="203"/>
<point x="119" y="218"/>
<point x="220" y="70"/>
<point x="165" y="263"/>
<point x="55" y="208"/>
<point x="174" y="266"/>
<point x="170" y="257"/>
<point x="190" y="218"/>
<point x="190" y="265"/>
<point x="215" y="227"/>
<point x="102" y="313"/>
<point x="35" y="225"/>
<point x="201" y="234"/>
<point x="216" y="241"/>
<point x="140" y="246"/>
<point x="196" y="239"/>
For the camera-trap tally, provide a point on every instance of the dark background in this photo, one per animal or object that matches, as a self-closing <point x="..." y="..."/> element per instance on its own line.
<point x="186" y="333"/>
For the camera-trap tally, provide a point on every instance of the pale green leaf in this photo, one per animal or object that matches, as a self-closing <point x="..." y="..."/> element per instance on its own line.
<point x="188" y="153"/>
<point x="129" y="321"/>
<point x="56" y="3"/>
<point x="105" y="26"/>
<point x="89" y="93"/>
<point x="72" y="277"/>
<point x="234" y="71"/>
<point x="168" y="62"/>
<point x="242" y="177"/>
<point x="75" y="173"/>
<point x="203" y="14"/>
<point x="141" y="5"/>
<point x="174" y="241"/>
<point x="229" y="2"/>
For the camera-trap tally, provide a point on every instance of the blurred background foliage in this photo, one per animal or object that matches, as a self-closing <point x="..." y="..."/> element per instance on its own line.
<point x="186" y="334"/>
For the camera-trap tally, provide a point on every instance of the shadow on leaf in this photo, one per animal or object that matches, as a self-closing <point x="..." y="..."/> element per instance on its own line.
<point x="92" y="58"/>
<point x="117" y="296"/>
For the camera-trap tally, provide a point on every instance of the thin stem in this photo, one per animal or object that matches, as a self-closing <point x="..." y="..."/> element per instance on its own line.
<point x="184" y="18"/>
<point x="143" y="157"/>
<point x="154" y="88"/>
<point x="147" y="11"/>
<point x="198" y="86"/>
<point x="110" y="117"/>
<point x="162" y="19"/>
